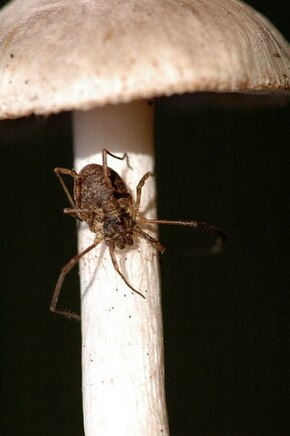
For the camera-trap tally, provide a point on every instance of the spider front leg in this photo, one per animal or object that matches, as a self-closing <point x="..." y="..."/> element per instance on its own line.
<point x="116" y="266"/>
<point x="221" y="236"/>
<point x="150" y="239"/>
<point x="195" y="224"/>
<point x="64" y="271"/>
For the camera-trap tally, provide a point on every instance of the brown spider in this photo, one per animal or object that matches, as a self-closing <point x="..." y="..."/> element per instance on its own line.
<point x="102" y="200"/>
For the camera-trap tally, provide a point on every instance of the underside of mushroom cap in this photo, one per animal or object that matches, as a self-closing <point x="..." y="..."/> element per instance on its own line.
<point x="78" y="54"/>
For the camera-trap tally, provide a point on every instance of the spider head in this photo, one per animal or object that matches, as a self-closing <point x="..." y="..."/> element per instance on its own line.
<point x="118" y="231"/>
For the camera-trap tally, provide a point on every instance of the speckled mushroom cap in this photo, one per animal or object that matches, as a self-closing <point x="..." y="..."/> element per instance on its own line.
<point x="78" y="54"/>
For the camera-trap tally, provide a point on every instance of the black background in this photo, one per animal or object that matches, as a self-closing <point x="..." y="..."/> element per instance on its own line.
<point x="226" y="317"/>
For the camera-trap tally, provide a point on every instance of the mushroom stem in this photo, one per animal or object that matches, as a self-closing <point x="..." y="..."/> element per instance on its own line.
<point x="122" y="340"/>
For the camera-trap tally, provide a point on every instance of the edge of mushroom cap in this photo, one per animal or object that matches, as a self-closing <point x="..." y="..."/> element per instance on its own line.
<point x="64" y="55"/>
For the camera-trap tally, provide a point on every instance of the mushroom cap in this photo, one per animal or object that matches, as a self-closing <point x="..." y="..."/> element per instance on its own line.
<point x="78" y="54"/>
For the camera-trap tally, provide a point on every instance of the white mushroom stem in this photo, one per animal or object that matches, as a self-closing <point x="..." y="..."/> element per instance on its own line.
<point x="123" y="372"/>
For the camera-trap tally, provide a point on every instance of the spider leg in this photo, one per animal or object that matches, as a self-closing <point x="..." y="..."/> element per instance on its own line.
<point x="221" y="236"/>
<point x="139" y="191"/>
<point x="106" y="152"/>
<point x="195" y="224"/>
<point x="116" y="266"/>
<point x="78" y="213"/>
<point x="150" y="239"/>
<point x="64" y="271"/>
<point x="73" y="174"/>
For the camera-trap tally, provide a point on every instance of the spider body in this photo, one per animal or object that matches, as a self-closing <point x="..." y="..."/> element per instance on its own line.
<point x="107" y="208"/>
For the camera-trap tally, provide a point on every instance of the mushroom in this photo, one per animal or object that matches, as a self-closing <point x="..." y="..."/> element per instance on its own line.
<point x="75" y="55"/>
